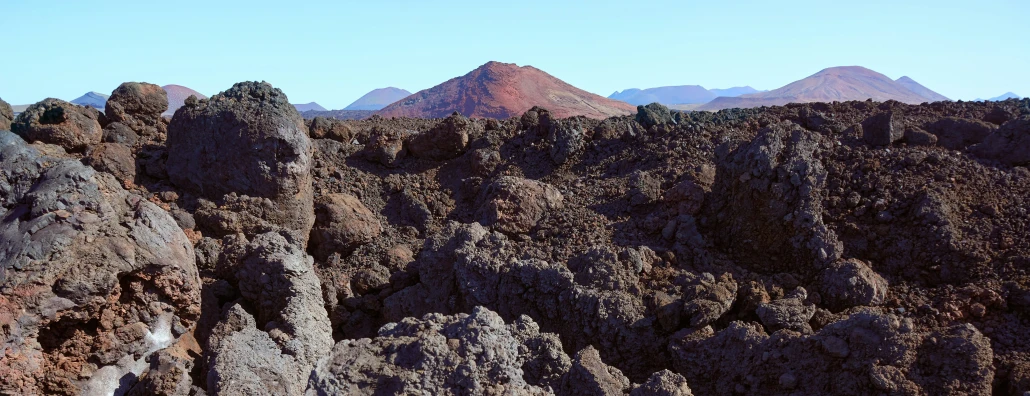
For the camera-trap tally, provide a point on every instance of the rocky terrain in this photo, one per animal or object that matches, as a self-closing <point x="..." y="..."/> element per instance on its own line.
<point x="503" y="90"/>
<point x="847" y="248"/>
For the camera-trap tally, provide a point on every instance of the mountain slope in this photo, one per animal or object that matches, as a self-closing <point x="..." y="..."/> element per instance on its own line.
<point x="95" y="99"/>
<point x="309" y="106"/>
<point x="832" y="84"/>
<point x="378" y="99"/>
<point x="920" y="90"/>
<point x="177" y="95"/>
<point x="683" y="94"/>
<point x="1007" y="95"/>
<point x="735" y="91"/>
<point x="502" y="90"/>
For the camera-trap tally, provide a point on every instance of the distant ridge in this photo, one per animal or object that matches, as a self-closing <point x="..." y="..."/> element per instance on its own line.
<point x="308" y="107"/>
<point x="833" y="84"/>
<point x="682" y="94"/>
<point x="502" y="90"/>
<point x="94" y="99"/>
<point x="678" y="95"/>
<point x="377" y="99"/>
<point x="1005" y="96"/>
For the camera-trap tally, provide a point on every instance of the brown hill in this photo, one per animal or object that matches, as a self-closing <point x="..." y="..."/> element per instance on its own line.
<point x="833" y="84"/>
<point x="502" y="90"/>
<point x="177" y="95"/>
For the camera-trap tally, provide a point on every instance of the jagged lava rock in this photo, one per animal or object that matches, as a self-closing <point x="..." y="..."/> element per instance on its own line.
<point x="248" y="140"/>
<point x="94" y="278"/>
<point x="6" y="115"/>
<point x="342" y="223"/>
<point x="514" y="205"/>
<point x="139" y="107"/>
<point x="54" y="121"/>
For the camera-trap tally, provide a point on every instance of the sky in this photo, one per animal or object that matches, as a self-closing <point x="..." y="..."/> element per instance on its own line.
<point x="332" y="52"/>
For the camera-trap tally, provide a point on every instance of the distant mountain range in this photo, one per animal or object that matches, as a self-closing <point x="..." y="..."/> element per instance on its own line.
<point x="377" y="99"/>
<point x="682" y="94"/>
<point x="834" y="84"/>
<point x="177" y="95"/>
<point x="96" y="100"/>
<point x="502" y="90"/>
<point x="920" y="90"/>
<point x="309" y="107"/>
<point x="1005" y="96"/>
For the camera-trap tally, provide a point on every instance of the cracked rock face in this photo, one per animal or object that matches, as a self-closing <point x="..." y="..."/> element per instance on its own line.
<point x="94" y="278"/>
<point x="54" y="121"/>
<point x="248" y="141"/>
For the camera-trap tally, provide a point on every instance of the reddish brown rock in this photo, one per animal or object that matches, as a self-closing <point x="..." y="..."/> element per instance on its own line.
<point x="55" y="121"/>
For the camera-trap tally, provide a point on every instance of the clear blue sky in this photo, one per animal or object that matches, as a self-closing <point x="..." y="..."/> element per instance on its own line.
<point x="332" y="52"/>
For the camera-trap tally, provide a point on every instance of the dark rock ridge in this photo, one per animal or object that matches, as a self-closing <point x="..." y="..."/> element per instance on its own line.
<point x="821" y="248"/>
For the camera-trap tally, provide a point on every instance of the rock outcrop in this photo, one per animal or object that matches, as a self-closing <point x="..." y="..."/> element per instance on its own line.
<point x="95" y="278"/>
<point x="6" y="116"/>
<point x="54" y="121"/>
<point x="248" y="141"/>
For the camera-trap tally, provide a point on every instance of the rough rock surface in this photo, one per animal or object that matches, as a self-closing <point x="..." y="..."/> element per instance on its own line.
<point x="249" y="141"/>
<point x="851" y="283"/>
<point x="54" y="121"/>
<point x="516" y="205"/>
<point x="342" y="223"/>
<point x="760" y="251"/>
<point x="441" y="355"/>
<point x="272" y="347"/>
<point x="447" y="140"/>
<point x="139" y="106"/>
<point x="94" y="278"/>
<point x="6" y="116"/>
<point x="113" y="158"/>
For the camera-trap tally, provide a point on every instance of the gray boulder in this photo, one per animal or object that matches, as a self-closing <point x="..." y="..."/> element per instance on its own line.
<point x="448" y="139"/>
<point x="513" y="205"/>
<point x="273" y="350"/>
<point x="851" y="283"/>
<point x="884" y="128"/>
<point x="81" y="254"/>
<point x="250" y="141"/>
<point x="654" y="114"/>
<point x="463" y="354"/>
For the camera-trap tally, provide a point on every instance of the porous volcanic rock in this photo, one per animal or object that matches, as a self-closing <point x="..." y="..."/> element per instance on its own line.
<point x="851" y="283"/>
<point x="139" y="107"/>
<point x="447" y="140"/>
<point x="1010" y="144"/>
<point x="342" y="223"/>
<point x="113" y="158"/>
<point x="483" y="355"/>
<point x="95" y="278"/>
<point x="272" y="348"/>
<point x="250" y="141"/>
<point x="515" y="205"/>
<point x="6" y="116"/>
<point x="54" y="121"/>
<point x="867" y="352"/>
